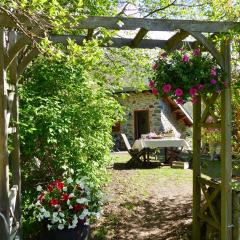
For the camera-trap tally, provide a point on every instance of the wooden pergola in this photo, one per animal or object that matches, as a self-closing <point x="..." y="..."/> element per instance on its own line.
<point x="16" y="52"/>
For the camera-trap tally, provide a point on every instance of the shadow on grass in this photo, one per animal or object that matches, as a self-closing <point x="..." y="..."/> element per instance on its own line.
<point x="127" y="166"/>
<point x="167" y="219"/>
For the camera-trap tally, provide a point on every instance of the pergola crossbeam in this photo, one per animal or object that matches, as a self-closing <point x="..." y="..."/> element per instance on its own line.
<point x="154" y="24"/>
<point x="176" y="39"/>
<point x="138" y="38"/>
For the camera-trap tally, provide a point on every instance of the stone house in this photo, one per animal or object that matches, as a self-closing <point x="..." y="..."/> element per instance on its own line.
<point x="145" y="113"/>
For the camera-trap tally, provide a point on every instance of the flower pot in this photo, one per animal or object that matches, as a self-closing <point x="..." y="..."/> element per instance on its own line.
<point x="81" y="232"/>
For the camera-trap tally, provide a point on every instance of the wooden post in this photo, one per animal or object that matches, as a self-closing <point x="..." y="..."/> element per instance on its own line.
<point x="4" y="168"/>
<point x="196" y="168"/>
<point x="226" y="151"/>
<point x="16" y="144"/>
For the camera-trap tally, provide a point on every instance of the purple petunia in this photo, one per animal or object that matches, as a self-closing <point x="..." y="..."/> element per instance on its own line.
<point x="167" y="88"/>
<point x="179" y="92"/>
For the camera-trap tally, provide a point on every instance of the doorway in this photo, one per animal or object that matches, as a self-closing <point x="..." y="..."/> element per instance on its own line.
<point x="141" y="123"/>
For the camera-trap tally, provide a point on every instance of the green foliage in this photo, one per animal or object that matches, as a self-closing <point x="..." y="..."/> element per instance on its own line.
<point x="66" y="120"/>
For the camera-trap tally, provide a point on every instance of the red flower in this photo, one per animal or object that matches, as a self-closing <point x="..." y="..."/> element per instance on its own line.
<point x="155" y="67"/>
<point x="54" y="202"/>
<point x="65" y="197"/>
<point x="151" y="83"/>
<point x="50" y="188"/>
<point x="40" y="197"/>
<point x="59" y="184"/>
<point x="154" y="91"/>
<point x="77" y="207"/>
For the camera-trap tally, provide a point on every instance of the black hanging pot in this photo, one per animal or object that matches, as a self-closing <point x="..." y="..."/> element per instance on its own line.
<point x="81" y="232"/>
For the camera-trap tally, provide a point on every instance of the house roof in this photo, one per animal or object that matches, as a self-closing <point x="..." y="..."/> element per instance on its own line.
<point x="181" y="112"/>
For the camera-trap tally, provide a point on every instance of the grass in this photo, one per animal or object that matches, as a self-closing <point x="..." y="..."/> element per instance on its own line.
<point x="145" y="203"/>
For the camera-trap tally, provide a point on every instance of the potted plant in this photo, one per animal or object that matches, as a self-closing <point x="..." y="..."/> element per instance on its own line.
<point x="183" y="74"/>
<point x="66" y="207"/>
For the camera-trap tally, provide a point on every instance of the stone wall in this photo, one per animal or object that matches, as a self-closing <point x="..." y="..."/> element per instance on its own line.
<point x="160" y="116"/>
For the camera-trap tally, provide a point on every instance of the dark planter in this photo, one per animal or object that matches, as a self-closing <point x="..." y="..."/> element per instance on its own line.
<point x="81" y="232"/>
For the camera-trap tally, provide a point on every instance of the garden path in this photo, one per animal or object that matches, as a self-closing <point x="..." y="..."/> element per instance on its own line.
<point x="149" y="204"/>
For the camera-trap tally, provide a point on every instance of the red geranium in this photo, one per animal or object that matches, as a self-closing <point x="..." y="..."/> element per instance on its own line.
<point x="77" y="207"/>
<point x="40" y="197"/>
<point x="65" y="197"/>
<point x="54" y="202"/>
<point x="59" y="184"/>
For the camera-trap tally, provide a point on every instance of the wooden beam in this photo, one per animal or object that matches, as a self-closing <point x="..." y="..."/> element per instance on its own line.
<point x="207" y="43"/>
<point x="89" y="34"/>
<point x="15" y="154"/>
<point x="138" y="38"/>
<point x="4" y="167"/>
<point x="7" y="21"/>
<point x="196" y="169"/>
<point x="154" y="24"/>
<point x="21" y="41"/>
<point x="27" y="59"/>
<point x="172" y="43"/>
<point x="116" y="42"/>
<point x="226" y="149"/>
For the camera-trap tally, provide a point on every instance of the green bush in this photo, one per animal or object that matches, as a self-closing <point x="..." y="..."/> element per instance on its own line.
<point x="66" y="120"/>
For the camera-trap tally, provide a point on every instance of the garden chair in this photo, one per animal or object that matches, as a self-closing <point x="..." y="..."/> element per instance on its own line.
<point x="134" y="153"/>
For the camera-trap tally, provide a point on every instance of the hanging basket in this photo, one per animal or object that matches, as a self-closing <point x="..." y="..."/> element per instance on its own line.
<point x="184" y="74"/>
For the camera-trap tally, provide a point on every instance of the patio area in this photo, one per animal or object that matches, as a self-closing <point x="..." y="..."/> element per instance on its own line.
<point x="148" y="203"/>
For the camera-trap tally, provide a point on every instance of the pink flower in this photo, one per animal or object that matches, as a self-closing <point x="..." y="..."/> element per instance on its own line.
<point x="167" y="88"/>
<point x="179" y="92"/>
<point x="155" y="66"/>
<point x="154" y="91"/>
<point x="192" y="91"/>
<point x="180" y="101"/>
<point x="185" y="58"/>
<point x="151" y="83"/>
<point x="214" y="72"/>
<point x="194" y="100"/>
<point x="196" y="52"/>
<point x="200" y="86"/>
<point x="213" y="81"/>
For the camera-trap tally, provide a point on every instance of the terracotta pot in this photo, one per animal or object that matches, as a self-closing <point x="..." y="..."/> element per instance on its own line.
<point x="81" y="232"/>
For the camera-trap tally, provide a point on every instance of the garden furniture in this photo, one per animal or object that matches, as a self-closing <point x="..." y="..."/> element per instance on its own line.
<point x="135" y="154"/>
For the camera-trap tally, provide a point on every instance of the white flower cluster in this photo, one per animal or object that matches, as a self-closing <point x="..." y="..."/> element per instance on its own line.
<point x="60" y="217"/>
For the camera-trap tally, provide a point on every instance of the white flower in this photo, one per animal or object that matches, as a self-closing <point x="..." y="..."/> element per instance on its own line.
<point x="60" y="226"/>
<point x="84" y="214"/>
<point x="98" y="215"/>
<point x="82" y="200"/>
<point x="61" y="214"/>
<point x="70" y="207"/>
<point x="55" y="214"/>
<point x="71" y="171"/>
<point x="38" y="203"/>
<point x="46" y="214"/>
<point x="39" y="188"/>
<point x="49" y="226"/>
<point x="69" y="180"/>
<point x="64" y="189"/>
<point x="71" y="195"/>
<point x="64" y="167"/>
<point x="43" y="210"/>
